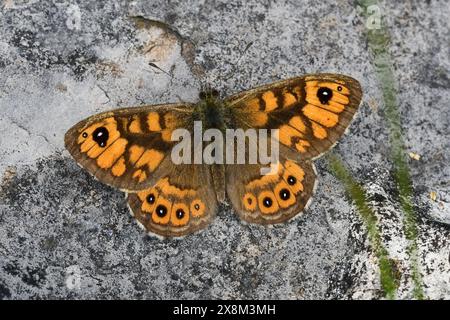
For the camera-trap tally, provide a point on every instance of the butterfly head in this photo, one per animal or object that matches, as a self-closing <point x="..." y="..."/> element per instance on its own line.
<point x="209" y="94"/>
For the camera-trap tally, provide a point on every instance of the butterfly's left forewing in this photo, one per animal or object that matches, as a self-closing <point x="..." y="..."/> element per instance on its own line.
<point x="126" y="148"/>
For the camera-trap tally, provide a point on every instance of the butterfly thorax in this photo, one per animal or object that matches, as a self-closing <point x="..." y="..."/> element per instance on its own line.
<point x="212" y="112"/>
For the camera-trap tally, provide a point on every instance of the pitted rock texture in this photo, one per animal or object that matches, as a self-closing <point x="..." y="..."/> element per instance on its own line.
<point x="65" y="235"/>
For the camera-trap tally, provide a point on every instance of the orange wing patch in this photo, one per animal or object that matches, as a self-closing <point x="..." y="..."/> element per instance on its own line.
<point x="267" y="202"/>
<point x="318" y="131"/>
<point x="293" y="176"/>
<point x="144" y="161"/>
<point x="148" y="198"/>
<point x="270" y="101"/>
<point x="140" y="175"/>
<point x="135" y="153"/>
<point x="171" y="122"/>
<point x="259" y="119"/>
<point x="283" y="194"/>
<point x="319" y="115"/>
<point x="135" y="125"/>
<point x="289" y="136"/>
<point x="97" y="138"/>
<point x="112" y="154"/>
<point x="254" y="115"/>
<point x="119" y="168"/>
<point x="289" y="98"/>
<point x="249" y="202"/>
<point x="171" y="190"/>
<point x="298" y="124"/>
<point x="179" y="215"/>
<point x="163" y="123"/>
<point x="150" y="158"/>
<point x="253" y="105"/>
<point x="153" y="121"/>
<point x="287" y="133"/>
<point x="262" y="182"/>
<point x="197" y="208"/>
<point x="161" y="212"/>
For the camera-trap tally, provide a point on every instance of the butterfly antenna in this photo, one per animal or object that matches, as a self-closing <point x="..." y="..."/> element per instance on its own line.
<point x="231" y="73"/>
<point x="151" y="64"/>
<point x="244" y="52"/>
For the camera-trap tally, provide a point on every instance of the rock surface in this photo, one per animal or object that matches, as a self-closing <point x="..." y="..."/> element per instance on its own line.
<point x="65" y="235"/>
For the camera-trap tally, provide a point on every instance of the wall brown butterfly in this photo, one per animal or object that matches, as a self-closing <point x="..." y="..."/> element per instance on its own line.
<point x="130" y="149"/>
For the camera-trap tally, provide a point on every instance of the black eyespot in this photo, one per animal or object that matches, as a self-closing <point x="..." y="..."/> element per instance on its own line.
<point x="284" y="194"/>
<point x="324" y="94"/>
<point x="84" y="135"/>
<point x="291" y="180"/>
<point x="179" y="213"/>
<point x="161" y="211"/>
<point x="196" y="206"/>
<point x="202" y="95"/>
<point x="339" y="88"/>
<point x="249" y="200"/>
<point x="267" y="202"/>
<point x="101" y="136"/>
<point x="151" y="198"/>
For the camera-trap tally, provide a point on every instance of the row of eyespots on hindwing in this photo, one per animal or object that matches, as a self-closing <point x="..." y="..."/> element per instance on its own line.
<point x="165" y="204"/>
<point x="276" y="191"/>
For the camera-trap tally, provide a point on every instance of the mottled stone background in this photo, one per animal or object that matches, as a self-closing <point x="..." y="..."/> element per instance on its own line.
<point x="65" y="235"/>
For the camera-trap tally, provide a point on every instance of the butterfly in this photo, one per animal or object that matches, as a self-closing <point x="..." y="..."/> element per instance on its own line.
<point x="130" y="149"/>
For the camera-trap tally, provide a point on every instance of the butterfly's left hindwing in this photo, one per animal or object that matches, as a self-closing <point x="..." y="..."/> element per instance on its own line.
<point x="126" y="147"/>
<point x="181" y="201"/>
